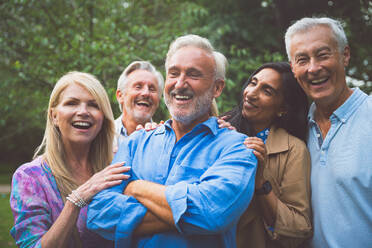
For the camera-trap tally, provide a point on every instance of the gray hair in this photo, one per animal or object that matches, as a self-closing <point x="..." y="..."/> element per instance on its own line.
<point x="307" y="23"/>
<point x="139" y="65"/>
<point x="204" y="44"/>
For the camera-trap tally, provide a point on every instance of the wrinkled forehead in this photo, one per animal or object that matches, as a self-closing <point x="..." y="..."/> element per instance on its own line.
<point x="192" y="57"/>
<point x="144" y="76"/>
<point x="311" y="39"/>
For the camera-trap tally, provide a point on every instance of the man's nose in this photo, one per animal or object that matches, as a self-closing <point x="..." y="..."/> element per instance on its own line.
<point x="314" y="66"/>
<point x="181" y="81"/>
<point x="145" y="91"/>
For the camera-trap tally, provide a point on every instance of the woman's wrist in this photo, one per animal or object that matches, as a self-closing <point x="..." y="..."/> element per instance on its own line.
<point x="260" y="180"/>
<point x="76" y="199"/>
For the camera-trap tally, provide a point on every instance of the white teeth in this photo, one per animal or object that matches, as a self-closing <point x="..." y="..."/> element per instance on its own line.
<point x="143" y="102"/>
<point x="318" y="81"/>
<point x="178" y="97"/>
<point x="80" y="123"/>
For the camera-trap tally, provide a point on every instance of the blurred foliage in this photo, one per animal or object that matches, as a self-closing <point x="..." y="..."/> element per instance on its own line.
<point x="6" y="216"/>
<point x="40" y="40"/>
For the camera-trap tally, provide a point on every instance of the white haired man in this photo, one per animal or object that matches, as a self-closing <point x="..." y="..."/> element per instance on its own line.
<point x="190" y="180"/>
<point x="340" y="134"/>
<point x="138" y="93"/>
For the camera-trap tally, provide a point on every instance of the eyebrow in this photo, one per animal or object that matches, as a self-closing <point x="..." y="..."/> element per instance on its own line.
<point x="173" y="68"/>
<point x="265" y="85"/>
<point x="193" y="69"/>
<point x="73" y="98"/>
<point x="299" y="54"/>
<point x="78" y="99"/>
<point x="327" y="48"/>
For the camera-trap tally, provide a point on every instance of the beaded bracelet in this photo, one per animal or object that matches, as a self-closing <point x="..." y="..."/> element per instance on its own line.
<point x="79" y="198"/>
<point x="75" y="198"/>
<point x="73" y="201"/>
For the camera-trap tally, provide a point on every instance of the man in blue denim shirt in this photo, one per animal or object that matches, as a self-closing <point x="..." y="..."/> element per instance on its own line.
<point x="340" y="134"/>
<point x="190" y="180"/>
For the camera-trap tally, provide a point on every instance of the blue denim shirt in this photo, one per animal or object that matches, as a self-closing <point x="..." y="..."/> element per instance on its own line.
<point x="341" y="175"/>
<point x="209" y="175"/>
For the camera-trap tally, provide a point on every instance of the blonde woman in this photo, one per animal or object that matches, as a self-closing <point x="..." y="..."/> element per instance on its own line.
<point x="49" y="195"/>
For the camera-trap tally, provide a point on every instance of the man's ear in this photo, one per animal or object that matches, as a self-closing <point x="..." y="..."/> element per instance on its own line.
<point x="218" y="87"/>
<point x="346" y="56"/>
<point x="119" y="97"/>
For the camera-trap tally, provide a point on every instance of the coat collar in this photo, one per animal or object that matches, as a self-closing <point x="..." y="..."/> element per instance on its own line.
<point x="277" y="141"/>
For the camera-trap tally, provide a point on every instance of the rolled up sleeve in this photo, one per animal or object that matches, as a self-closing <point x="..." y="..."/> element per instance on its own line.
<point x="112" y="214"/>
<point x="216" y="201"/>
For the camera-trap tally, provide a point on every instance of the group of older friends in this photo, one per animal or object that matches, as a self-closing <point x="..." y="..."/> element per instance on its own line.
<point x="191" y="182"/>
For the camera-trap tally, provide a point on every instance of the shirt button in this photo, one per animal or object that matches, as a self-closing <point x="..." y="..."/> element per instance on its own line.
<point x="318" y="135"/>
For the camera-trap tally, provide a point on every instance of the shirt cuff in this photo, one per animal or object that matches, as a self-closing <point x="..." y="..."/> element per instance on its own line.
<point x="131" y="216"/>
<point x="176" y="196"/>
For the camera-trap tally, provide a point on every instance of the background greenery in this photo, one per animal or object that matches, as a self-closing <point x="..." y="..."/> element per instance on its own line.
<point x="6" y="241"/>
<point x="40" y="40"/>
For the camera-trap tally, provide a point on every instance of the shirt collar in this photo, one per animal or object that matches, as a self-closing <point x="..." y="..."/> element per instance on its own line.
<point x="120" y="129"/>
<point x="263" y="134"/>
<point x="351" y="104"/>
<point x="211" y="124"/>
<point x="277" y="141"/>
<point x="343" y="112"/>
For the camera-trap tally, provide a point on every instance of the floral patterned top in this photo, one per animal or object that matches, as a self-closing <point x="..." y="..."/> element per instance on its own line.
<point x="36" y="204"/>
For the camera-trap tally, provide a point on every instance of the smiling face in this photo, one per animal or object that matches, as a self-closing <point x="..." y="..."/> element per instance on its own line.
<point x="319" y="67"/>
<point x="190" y="85"/>
<point x="141" y="96"/>
<point x="77" y="116"/>
<point x="263" y="99"/>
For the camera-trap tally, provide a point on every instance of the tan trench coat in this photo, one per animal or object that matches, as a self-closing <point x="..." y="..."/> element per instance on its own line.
<point x="288" y="170"/>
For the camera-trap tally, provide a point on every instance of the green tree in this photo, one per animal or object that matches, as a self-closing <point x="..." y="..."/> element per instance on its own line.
<point x="40" y="40"/>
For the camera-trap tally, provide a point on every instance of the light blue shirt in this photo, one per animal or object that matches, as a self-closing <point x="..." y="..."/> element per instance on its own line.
<point x="209" y="178"/>
<point x="341" y="175"/>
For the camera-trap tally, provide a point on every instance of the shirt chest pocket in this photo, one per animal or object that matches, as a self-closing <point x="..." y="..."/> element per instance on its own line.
<point x="186" y="173"/>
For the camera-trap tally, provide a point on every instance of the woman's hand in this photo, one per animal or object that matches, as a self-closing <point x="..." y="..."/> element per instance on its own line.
<point x="222" y="123"/>
<point x="149" y="126"/>
<point x="259" y="150"/>
<point x="110" y="176"/>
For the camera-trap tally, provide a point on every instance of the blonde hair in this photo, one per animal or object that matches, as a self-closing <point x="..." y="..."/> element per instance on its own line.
<point x="100" y="153"/>
<point x="214" y="108"/>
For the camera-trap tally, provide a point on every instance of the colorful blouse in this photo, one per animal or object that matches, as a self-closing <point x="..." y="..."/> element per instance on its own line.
<point x="36" y="204"/>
